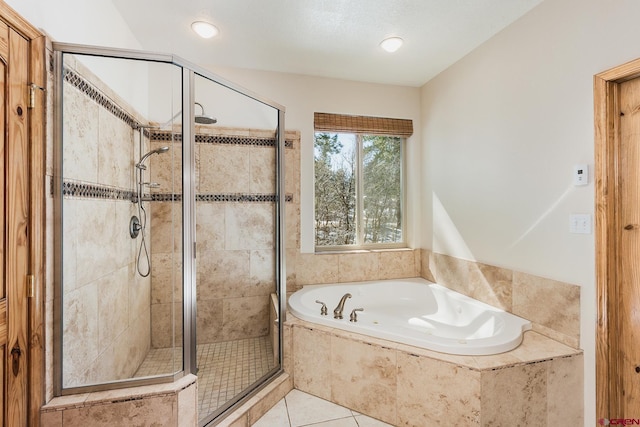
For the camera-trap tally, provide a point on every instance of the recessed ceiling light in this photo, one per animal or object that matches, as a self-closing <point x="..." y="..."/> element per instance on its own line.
<point x="204" y="29"/>
<point x="391" y="44"/>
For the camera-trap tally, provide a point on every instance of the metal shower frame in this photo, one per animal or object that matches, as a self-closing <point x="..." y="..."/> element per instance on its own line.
<point x="189" y="72"/>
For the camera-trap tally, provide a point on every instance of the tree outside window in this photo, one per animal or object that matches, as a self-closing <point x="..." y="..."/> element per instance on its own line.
<point x="358" y="190"/>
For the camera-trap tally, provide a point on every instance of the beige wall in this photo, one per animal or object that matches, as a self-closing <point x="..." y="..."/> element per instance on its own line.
<point x="502" y="130"/>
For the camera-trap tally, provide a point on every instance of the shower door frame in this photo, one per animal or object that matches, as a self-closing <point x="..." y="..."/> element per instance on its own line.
<point x="189" y="71"/>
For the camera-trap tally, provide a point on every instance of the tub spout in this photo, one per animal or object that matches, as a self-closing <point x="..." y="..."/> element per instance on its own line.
<point x="337" y="312"/>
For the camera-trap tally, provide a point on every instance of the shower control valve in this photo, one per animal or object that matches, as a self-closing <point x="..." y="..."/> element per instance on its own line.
<point x="134" y="227"/>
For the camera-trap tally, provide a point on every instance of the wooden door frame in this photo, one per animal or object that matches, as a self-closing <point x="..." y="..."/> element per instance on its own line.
<point x="37" y="140"/>
<point x="607" y="142"/>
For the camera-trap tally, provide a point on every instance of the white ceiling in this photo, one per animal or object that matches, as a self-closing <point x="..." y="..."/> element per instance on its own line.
<point x="330" y="38"/>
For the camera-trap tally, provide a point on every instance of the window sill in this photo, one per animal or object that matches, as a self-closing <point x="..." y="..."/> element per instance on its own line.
<point x="360" y="251"/>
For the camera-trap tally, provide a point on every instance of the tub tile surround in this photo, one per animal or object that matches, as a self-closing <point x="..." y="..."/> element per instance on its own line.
<point x="323" y="268"/>
<point x="512" y="291"/>
<point x="430" y="392"/>
<point x="539" y="383"/>
<point x="417" y="387"/>
<point x="518" y="293"/>
<point x="366" y="379"/>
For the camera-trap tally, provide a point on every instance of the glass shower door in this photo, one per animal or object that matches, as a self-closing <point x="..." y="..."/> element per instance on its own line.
<point x="236" y="217"/>
<point x="120" y="236"/>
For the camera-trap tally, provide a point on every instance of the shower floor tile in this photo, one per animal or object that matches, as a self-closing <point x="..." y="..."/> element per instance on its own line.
<point x="224" y="368"/>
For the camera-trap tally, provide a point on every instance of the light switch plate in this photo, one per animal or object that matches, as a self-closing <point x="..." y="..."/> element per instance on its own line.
<point x="580" y="223"/>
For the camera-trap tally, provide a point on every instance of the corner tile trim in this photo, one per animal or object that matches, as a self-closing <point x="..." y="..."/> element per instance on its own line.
<point x="80" y="83"/>
<point x="93" y="93"/>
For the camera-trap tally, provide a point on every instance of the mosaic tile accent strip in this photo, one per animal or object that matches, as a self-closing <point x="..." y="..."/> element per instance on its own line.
<point x="239" y="198"/>
<point x="221" y="139"/>
<point x="164" y="136"/>
<point x="224" y="368"/>
<point x="242" y="198"/>
<point x="77" y="189"/>
<point x="83" y="190"/>
<point x="80" y="83"/>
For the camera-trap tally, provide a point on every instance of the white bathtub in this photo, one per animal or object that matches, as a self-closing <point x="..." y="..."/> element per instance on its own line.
<point x="415" y="312"/>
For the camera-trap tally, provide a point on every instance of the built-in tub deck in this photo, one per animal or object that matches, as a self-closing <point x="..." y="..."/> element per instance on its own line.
<point x="412" y="311"/>
<point x="538" y="383"/>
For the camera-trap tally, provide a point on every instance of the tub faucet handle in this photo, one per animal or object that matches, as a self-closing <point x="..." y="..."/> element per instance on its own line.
<point x="353" y="317"/>
<point x="323" y="309"/>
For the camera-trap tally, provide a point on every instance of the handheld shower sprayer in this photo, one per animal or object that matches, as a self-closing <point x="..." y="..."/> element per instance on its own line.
<point x="160" y="150"/>
<point x="138" y="224"/>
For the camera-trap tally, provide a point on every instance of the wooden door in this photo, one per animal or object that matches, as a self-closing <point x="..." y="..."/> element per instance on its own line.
<point x="22" y="112"/>
<point x="617" y="131"/>
<point x="14" y="61"/>
<point x="628" y="276"/>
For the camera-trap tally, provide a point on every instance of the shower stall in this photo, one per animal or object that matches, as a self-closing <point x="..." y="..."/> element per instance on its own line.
<point x="169" y="204"/>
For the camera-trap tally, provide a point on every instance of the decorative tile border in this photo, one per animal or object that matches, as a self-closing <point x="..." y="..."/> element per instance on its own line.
<point x="220" y="139"/>
<point x="80" y="83"/>
<point x="82" y="190"/>
<point x="235" y="197"/>
<point x="77" y="189"/>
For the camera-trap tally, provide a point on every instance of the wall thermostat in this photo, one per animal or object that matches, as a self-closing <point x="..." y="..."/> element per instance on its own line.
<point x="581" y="174"/>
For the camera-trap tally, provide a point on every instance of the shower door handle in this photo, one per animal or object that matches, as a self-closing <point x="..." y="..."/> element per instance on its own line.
<point x="15" y="360"/>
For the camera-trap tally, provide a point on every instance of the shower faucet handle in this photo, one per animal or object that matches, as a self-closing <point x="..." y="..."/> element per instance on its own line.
<point x="323" y="309"/>
<point x="353" y="317"/>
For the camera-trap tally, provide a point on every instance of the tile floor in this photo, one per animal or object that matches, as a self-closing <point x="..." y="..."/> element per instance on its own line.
<point x="224" y="368"/>
<point x="299" y="409"/>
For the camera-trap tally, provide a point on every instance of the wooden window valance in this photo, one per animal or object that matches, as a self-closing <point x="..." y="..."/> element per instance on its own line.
<point x="362" y="124"/>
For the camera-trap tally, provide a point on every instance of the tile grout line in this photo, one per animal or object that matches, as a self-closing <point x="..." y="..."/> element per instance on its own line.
<point x="286" y="405"/>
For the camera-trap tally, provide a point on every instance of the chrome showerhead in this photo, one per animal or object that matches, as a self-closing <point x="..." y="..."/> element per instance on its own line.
<point x="160" y="150"/>
<point x="203" y="119"/>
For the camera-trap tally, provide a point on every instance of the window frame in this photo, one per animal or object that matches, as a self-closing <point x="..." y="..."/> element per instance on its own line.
<point x="359" y="204"/>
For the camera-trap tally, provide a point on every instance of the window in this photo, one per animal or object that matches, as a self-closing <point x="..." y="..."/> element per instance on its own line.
<point x="359" y="200"/>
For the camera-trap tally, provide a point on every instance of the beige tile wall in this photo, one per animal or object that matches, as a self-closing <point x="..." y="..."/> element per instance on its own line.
<point x="235" y="251"/>
<point x="106" y="304"/>
<point x="356" y="266"/>
<point x="539" y="383"/>
<point x="552" y="306"/>
<point x="518" y="293"/>
<point x="515" y="292"/>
